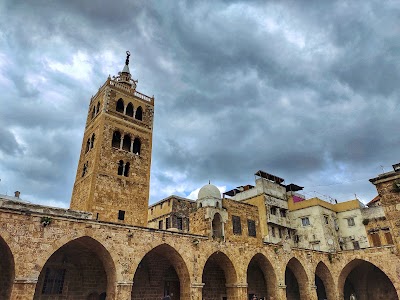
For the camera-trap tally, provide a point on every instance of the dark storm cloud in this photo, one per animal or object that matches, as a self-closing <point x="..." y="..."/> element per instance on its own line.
<point x="306" y="90"/>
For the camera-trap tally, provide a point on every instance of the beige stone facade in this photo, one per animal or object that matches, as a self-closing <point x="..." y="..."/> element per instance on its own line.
<point x="91" y="251"/>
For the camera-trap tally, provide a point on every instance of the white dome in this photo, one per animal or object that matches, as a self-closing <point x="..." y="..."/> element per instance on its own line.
<point x="209" y="191"/>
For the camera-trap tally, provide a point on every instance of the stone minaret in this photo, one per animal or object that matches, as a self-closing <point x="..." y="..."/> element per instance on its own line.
<point x="113" y="176"/>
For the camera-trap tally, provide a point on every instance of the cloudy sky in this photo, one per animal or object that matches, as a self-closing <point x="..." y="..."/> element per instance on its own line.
<point x="305" y="90"/>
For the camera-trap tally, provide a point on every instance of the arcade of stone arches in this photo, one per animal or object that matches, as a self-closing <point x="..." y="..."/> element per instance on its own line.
<point x="83" y="269"/>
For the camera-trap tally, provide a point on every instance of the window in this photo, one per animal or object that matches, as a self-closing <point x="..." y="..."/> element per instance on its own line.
<point x="53" y="281"/>
<point x="280" y="232"/>
<point x="85" y="167"/>
<point x="305" y="221"/>
<point x="116" y="140"/>
<point x="121" y="215"/>
<point x="92" y="141"/>
<point x="326" y="219"/>
<point x="120" y="106"/>
<point x="98" y="108"/>
<point x="93" y="112"/>
<point x="251" y="226"/>
<point x="273" y="210"/>
<point x="87" y="146"/>
<point x="283" y="213"/>
<point x="236" y="224"/>
<point x="350" y="222"/>
<point x="375" y="239"/>
<point x="167" y="223"/>
<point x="356" y="245"/>
<point x="179" y="223"/>
<point x="289" y="233"/>
<point x="273" y="231"/>
<point x="126" y="145"/>
<point x="129" y="110"/>
<point x="160" y="224"/>
<point x="126" y="169"/>
<point x="120" y="167"/>
<point x="136" y="146"/>
<point x="139" y="113"/>
<point x="388" y="237"/>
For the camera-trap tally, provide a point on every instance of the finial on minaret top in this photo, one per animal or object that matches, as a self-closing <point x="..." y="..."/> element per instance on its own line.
<point x="127" y="58"/>
<point x="126" y="67"/>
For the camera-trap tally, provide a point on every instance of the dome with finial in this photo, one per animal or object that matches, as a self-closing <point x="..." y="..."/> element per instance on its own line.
<point x="209" y="191"/>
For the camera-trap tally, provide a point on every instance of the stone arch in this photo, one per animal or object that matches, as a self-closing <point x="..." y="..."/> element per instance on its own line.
<point x="139" y="113"/>
<point x="217" y="226"/>
<point x="82" y="266"/>
<point x="7" y="270"/>
<point x="126" y="145"/>
<point x="136" y="146"/>
<point x="218" y="275"/>
<point x="129" y="109"/>
<point x="296" y="280"/>
<point x="116" y="139"/>
<point x="261" y="277"/>
<point x="120" y="106"/>
<point x="324" y="282"/>
<point x="162" y="271"/>
<point x="366" y="281"/>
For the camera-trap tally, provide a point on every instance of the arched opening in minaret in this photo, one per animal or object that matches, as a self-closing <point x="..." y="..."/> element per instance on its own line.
<point x="87" y="146"/>
<point x="120" y="167"/>
<point x="120" y="105"/>
<point x="93" y="112"/>
<point x="365" y="281"/>
<point x="218" y="273"/>
<point x="6" y="270"/>
<point x="161" y="272"/>
<point x="116" y="140"/>
<point x="136" y="146"/>
<point x="127" y="143"/>
<point x="79" y="269"/>
<point x="126" y="169"/>
<point x="139" y="113"/>
<point x="92" y="141"/>
<point x="217" y="226"/>
<point x="295" y="280"/>
<point x="261" y="278"/>
<point x="129" y="109"/>
<point x="98" y="108"/>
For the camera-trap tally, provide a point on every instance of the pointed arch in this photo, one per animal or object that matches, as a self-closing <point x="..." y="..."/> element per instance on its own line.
<point x="162" y="271"/>
<point x="261" y="277"/>
<point x="87" y="146"/>
<point x="129" y="109"/>
<point x="83" y="266"/>
<point x="218" y="272"/>
<point x="324" y="282"/>
<point x="217" y="226"/>
<point x="98" y="108"/>
<point x="136" y="146"/>
<point x="120" y="106"/>
<point x="7" y="270"/>
<point x="126" y="145"/>
<point x="92" y="141"/>
<point x="121" y="167"/>
<point x="296" y="280"/>
<point x="116" y="139"/>
<point x="93" y="112"/>
<point x="139" y="113"/>
<point x="126" y="169"/>
<point x="364" y="279"/>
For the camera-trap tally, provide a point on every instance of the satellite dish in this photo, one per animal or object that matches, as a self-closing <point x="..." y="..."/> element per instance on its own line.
<point x="330" y="242"/>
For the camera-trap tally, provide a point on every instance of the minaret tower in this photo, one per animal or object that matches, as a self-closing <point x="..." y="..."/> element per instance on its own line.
<point x="113" y="176"/>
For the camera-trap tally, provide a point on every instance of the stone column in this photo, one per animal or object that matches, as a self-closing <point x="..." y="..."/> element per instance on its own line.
<point x="312" y="292"/>
<point x="122" y="142"/>
<point x="237" y="291"/>
<point x="196" y="291"/>
<point x="123" y="291"/>
<point x="23" y="288"/>
<point x="281" y="291"/>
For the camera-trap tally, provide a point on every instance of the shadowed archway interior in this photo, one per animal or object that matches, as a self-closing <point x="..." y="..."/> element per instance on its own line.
<point x="6" y="270"/>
